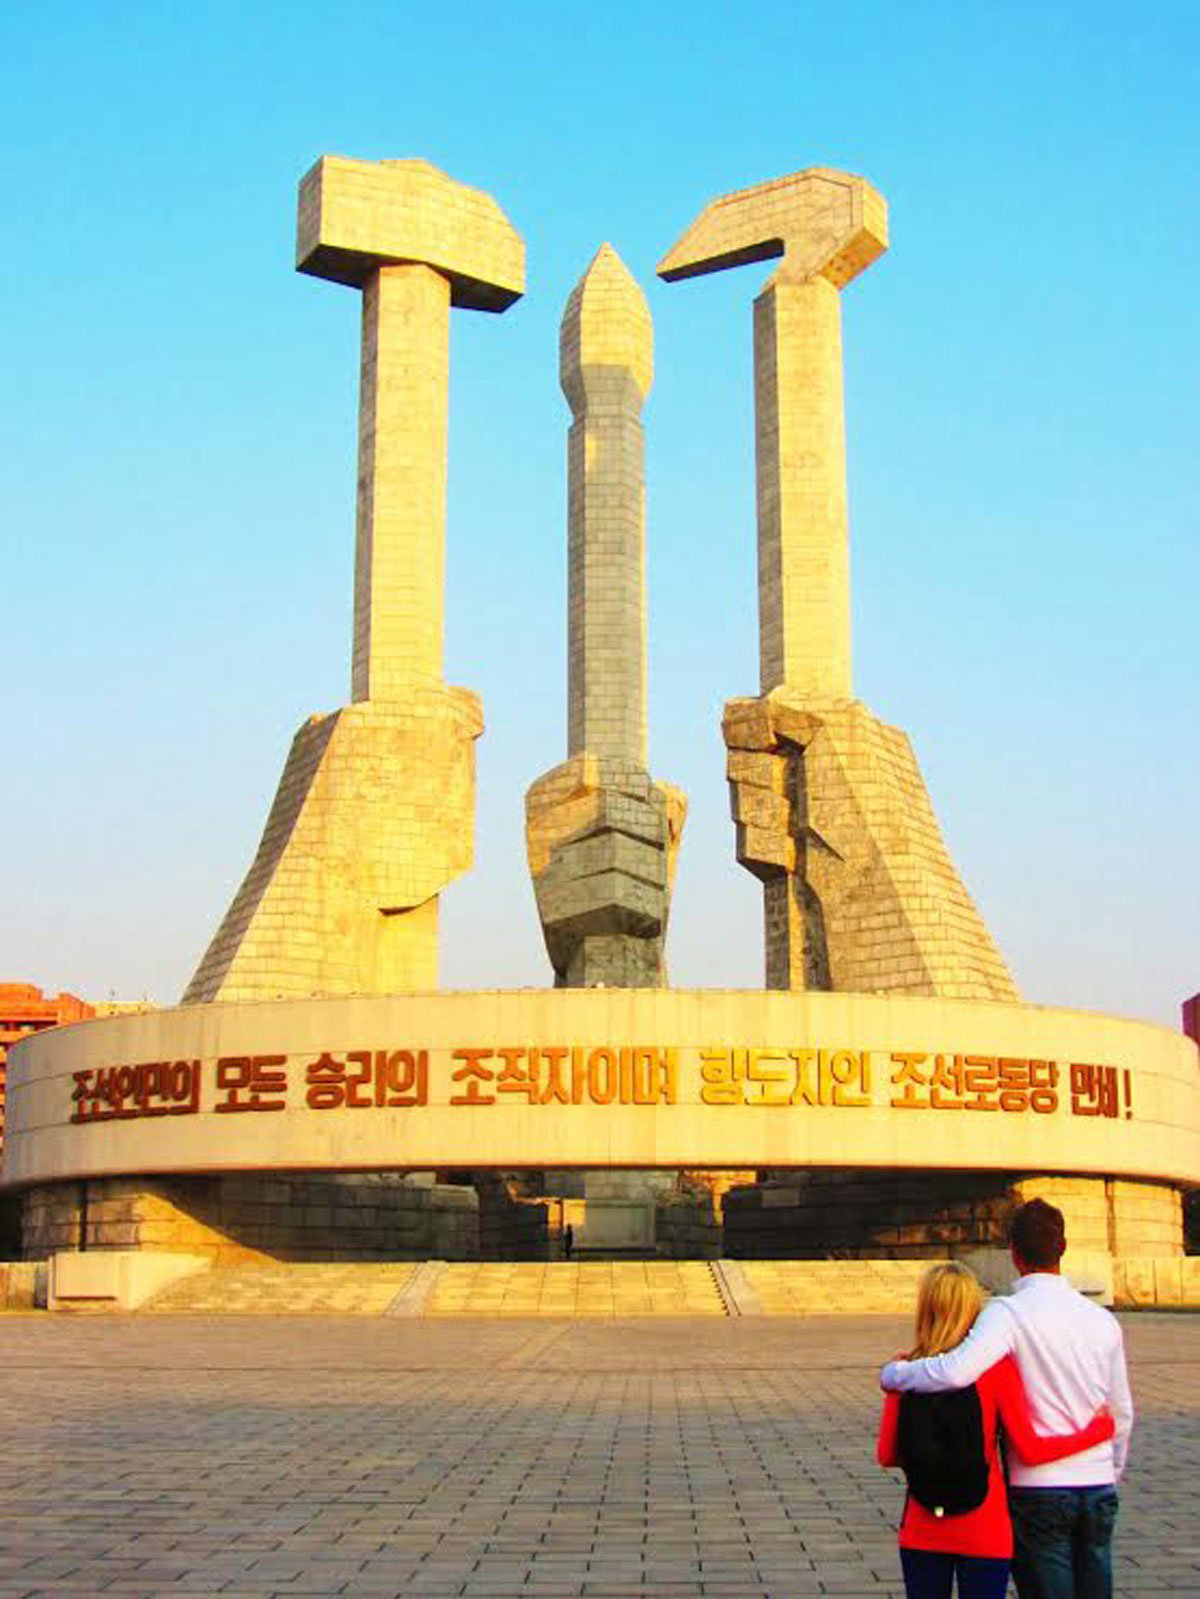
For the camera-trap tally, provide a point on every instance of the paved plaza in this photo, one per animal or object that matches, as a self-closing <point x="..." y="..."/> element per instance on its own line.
<point x="246" y="1457"/>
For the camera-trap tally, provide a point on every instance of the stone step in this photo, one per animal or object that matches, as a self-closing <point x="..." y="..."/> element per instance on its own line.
<point x="577" y="1289"/>
<point x="570" y="1289"/>
<point x="826" y="1287"/>
<point x="295" y="1288"/>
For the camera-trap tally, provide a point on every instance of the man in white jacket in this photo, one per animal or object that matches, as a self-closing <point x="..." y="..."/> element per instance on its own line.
<point x="1071" y="1356"/>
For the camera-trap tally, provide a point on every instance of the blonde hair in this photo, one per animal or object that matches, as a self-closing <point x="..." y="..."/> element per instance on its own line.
<point x="948" y="1301"/>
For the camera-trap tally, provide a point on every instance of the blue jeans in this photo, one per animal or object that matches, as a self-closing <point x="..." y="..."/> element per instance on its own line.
<point x="1062" y="1541"/>
<point x="928" y="1575"/>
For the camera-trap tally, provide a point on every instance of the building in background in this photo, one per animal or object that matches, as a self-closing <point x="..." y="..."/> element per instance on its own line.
<point x="24" y="1009"/>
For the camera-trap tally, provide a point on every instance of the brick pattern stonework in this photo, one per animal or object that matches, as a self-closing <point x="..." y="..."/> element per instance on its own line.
<point x="859" y="890"/>
<point x="602" y="835"/>
<point x="1124" y="1217"/>
<point x="374" y="815"/>
<point x="803" y="520"/>
<point x="353" y="216"/>
<point x="400" y="565"/>
<point x="603" y="840"/>
<point x="915" y="1215"/>
<point x="255" y="1216"/>
<point x="819" y="1215"/>
<point x="687" y="1226"/>
<point x="828" y="226"/>
<point x="606" y="367"/>
<point x="511" y="1227"/>
<point x="831" y="812"/>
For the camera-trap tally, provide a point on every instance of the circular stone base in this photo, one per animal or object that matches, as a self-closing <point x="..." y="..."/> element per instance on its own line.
<point x="595" y="1079"/>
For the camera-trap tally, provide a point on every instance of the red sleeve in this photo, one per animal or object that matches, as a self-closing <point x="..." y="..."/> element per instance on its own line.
<point x="889" y="1427"/>
<point x="1035" y="1448"/>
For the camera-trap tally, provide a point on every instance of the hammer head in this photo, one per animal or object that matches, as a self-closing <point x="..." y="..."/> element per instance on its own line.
<point x="357" y="216"/>
<point x="824" y="223"/>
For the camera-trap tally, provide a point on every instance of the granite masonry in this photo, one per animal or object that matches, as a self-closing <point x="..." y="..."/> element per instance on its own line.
<point x="374" y="815"/>
<point x="830" y="809"/>
<point x="602" y="834"/>
<point x="748" y="1123"/>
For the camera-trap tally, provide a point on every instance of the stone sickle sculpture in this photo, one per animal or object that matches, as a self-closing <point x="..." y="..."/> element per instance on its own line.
<point x="831" y="811"/>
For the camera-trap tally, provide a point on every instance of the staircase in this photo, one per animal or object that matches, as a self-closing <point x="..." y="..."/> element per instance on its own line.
<point x="834" y="1287"/>
<point x="291" y="1288"/>
<point x="577" y="1289"/>
<point x="569" y="1289"/>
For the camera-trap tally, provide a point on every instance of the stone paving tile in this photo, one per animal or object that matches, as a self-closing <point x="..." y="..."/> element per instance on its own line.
<point x="831" y="1287"/>
<point x="221" y="1458"/>
<point x="299" y="1288"/>
<point x="576" y="1289"/>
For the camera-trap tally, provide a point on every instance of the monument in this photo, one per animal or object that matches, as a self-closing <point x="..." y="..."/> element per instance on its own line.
<point x="304" y="1097"/>
<point x="602" y="835"/>
<point x="859" y="892"/>
<point x="375" y="811"/>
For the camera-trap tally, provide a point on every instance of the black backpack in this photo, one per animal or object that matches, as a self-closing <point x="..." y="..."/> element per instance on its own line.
<point x="941" y="1450"/>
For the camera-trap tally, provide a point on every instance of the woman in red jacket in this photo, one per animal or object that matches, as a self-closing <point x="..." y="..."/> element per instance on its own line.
<point x="975" y="1546"/>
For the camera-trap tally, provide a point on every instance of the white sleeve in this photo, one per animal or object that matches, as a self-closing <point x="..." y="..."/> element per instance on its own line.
<point x="990" y="1339"/>
<point x="1120" y="1403"/>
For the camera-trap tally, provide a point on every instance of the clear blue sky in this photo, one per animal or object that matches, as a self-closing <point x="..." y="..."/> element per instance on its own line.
<point x="177" y="424"/>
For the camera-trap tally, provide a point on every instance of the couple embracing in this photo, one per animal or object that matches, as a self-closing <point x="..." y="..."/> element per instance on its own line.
<point x="1042" y="1369"/>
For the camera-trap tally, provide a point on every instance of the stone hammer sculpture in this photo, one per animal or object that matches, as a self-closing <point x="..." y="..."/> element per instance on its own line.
<point x="374" y="814"/>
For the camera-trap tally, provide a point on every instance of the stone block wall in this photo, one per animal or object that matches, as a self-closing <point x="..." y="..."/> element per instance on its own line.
<point x="860" y="893"/>
<point x="1083" y="1201"/>
<point x="603" y="839"/>
<point x="687" y="1226"/>
<point x="511" y="1225"/>
<point x="252" y="1216"/>
<point x="1147" y="1219"/>
<point x="10" y="1226"/>
<point x="22" y="1285"/>
<point x="862" y="1214"/>
<point x="373" y="817"/>
<point x="809" y="1215"/>
<point x="913" y="1215"/>
<point x="1150" y="1283"/>
<point x="1124" y="1217"/>
<point x="522" y="1214"/>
